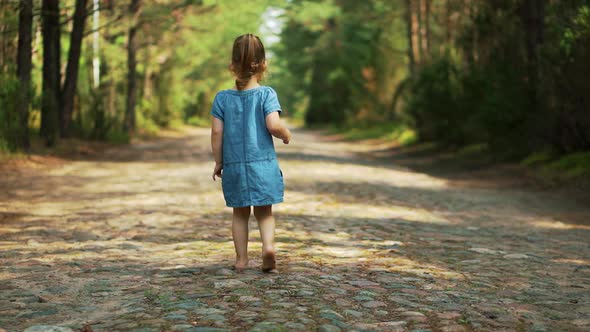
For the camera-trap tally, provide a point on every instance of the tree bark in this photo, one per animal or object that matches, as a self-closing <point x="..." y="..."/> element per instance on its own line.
<point x="418" y="30"/>
<point x="51" y="71"/>
<point x="533" y="15"/>
<point x="129" y="122"/>
<point x="23" y="69"/>
<point x="410" y="36"/>
<point x="95" y="43"/>
<point x="69" y="88"/>
<point x="448" y="34"/>
<point x="426" y="40"/>
<point x="8" y="51"/>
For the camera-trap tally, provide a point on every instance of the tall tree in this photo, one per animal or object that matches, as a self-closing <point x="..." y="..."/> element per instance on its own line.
<point x="134" y="11"/>
<point x="427" y="16"/>
<point x="410" y="36"/>
<point x="448" y="33"/>
<point x="51" y="71"/>
<point x="533" y="14"/>
<point x="418" y="29"/>
<point x="23" y="69"/>
<point x="95" y="43"/>
<point x="69" y="88"/>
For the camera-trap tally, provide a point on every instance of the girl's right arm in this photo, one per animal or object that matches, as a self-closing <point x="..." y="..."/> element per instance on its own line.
<point x="276" y="127"/>
<point x="217" y="145"/>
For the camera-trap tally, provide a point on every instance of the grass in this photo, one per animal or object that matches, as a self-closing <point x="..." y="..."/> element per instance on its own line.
<point x="198" y="122"/>
<point x="388" y="131"/>
<point x="570" y="166"/>
<point x="552" y="168"/>
<point x="117" y="137"/>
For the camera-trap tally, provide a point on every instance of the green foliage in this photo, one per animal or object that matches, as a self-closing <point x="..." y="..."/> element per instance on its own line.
<point x="550" y="167"/>
<point x="388" y="131"/>
<point x="183" y="51"/>
<point x="9" y="122"/>
<point x="484" y="81"/>
<point x="570" y="166"/>
<point x="198" y="122"/>
<point x="537" y="158"/>
<point x="117" y="137"/>
<point x="146" y="125"/>
<point x="484" y="105"/>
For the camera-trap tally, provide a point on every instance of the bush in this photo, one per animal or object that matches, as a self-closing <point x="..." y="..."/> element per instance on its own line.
<point x="9" y="122"/>
<point x="433" y="103"/>
<point x="198" y="121"/>
<point x="484" y="105"/>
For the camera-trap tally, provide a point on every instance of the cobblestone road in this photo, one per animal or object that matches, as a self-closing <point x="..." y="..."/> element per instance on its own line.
<point x="139" y="239"/>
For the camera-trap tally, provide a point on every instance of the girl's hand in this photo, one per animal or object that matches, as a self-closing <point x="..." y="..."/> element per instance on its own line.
<point x="287" y="139"/>
<point x="217" y="170"/>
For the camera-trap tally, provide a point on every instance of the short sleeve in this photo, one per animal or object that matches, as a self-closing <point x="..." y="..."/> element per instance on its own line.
<point x="271" y="103"/>
<point x="216" y="109"/>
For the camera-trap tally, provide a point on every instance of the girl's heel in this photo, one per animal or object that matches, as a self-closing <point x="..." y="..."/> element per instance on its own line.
<point x="269" y="263"/>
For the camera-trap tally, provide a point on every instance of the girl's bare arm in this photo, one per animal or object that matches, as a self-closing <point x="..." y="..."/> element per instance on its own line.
<point x="277" y="128"/>
<point x="217" y="145"/>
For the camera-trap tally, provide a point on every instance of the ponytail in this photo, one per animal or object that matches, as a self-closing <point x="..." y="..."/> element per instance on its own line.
<point x="248" y="57"/>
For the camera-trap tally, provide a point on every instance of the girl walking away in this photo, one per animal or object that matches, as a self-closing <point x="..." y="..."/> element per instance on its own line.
<point x="244" y="120"/>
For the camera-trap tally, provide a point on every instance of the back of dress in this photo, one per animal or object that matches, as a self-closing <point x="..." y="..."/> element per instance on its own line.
<point x="251" y="174"/>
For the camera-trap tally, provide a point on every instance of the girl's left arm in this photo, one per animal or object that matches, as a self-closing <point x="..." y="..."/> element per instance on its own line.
<point x="217" y="145"/>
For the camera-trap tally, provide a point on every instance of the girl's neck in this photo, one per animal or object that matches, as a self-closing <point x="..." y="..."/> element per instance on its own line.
<point x="252" y="83"/>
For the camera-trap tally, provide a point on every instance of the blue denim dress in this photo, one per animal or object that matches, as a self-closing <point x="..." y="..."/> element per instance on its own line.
<point x="251" y="174"/>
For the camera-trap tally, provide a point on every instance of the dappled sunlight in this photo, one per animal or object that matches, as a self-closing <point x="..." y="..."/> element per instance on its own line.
<point x="391" y="212"/>
<point x="573" y="261"/>
<point x="330" y="206"/>
<point x="355" y="172"/>
<point x="556" y="224"/>
<point x="353" y="237"/>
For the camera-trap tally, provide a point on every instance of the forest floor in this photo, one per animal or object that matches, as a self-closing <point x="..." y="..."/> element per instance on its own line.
<point x="370" y="238"/>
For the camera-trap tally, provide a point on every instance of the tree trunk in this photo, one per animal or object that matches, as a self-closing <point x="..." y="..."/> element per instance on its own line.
<point x="534" y="32"/>
<point x="69" y="89"/>
<point x="129" y="123"/>
<point x="95" y="44"/>
<point x="418" y="30"/>
<point x="147" y="77"/>
<point x="426" y="41"/>
<point x="8" y="31"/>
<point x="533" y="18"/>
<point x="448" y="34"/>
<point x="23" y="69"/>
<point x="410" y="36"/>
<point x="51" y="71"/>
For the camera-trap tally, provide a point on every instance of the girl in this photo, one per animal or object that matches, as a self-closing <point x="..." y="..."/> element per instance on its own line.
<point x="244" y="118"/>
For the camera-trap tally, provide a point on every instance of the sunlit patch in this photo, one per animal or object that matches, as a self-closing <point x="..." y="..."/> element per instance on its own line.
<point x="347" y="171"/>
<point x="400" y="264"/>
<point x="327" y="206"/>
<point x="338" y="252"/>
<point x="572" y="261"/>
<point x="557" y="225"/>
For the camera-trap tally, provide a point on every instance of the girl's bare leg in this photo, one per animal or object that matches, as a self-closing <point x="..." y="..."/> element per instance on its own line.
<point x="240" y="236"/>
<point x="266" y="224"/>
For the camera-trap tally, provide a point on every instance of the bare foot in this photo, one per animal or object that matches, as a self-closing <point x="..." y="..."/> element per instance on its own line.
<point x="269" y="262"/>
<point x="240" y="266"/>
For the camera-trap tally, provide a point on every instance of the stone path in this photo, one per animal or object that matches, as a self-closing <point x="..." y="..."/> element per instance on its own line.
<point x="139" y="240"/>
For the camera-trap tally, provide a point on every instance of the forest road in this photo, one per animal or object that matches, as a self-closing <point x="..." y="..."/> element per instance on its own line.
<point x="138" y="239"/>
